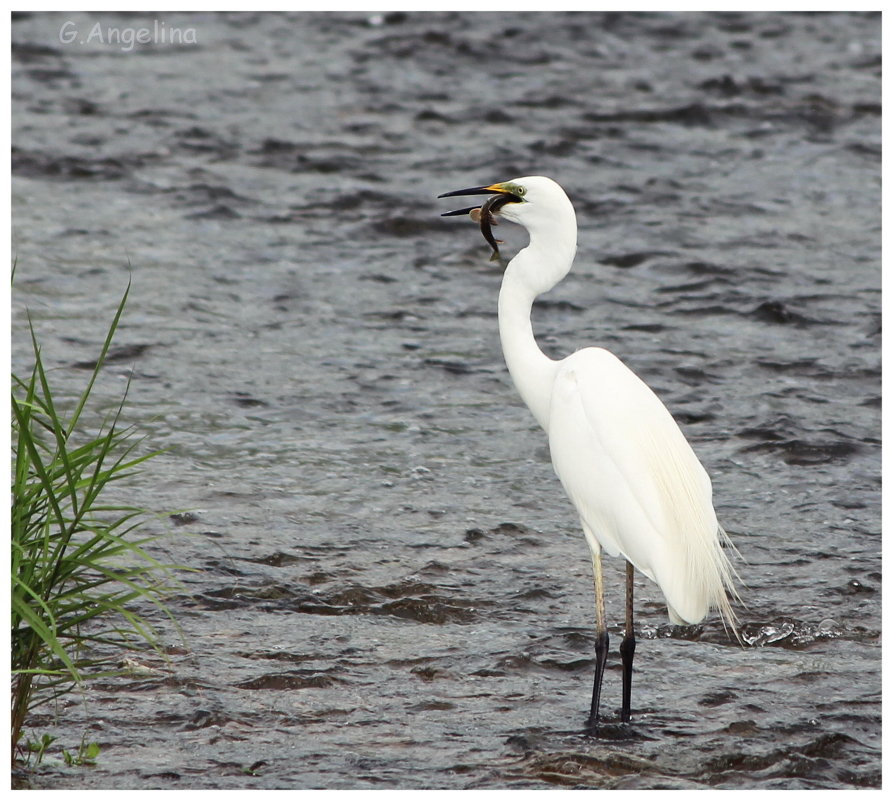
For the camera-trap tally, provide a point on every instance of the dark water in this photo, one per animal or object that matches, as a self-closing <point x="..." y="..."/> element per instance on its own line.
<point x="392" y="590"/>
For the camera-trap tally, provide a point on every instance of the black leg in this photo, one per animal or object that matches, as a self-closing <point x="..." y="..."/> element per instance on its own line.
<point x="601" y="643"/>
<point x="601" y="657"/>
<point x="628" y="647"/>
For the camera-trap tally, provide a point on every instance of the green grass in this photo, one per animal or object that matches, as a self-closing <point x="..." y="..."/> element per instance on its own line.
<point x="80" y="565"/>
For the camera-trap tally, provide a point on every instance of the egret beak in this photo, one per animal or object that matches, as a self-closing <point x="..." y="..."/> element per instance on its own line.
<point x="492" y="189"/>
<point x="459" y="212"/>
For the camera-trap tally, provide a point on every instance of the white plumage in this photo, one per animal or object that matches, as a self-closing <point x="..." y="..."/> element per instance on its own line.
<point x="638" y="487"/>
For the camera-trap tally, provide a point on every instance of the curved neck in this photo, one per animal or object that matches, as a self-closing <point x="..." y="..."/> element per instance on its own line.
<point x="530" y="368"/>
<point x="536" y="269"/>
<point x="532" y="371"/>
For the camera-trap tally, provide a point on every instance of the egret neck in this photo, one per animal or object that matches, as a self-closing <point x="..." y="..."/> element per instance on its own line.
<point x="535" y="270"/>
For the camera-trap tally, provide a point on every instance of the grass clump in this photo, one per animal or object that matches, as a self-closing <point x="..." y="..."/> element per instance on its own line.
<point x="79" y="566"/>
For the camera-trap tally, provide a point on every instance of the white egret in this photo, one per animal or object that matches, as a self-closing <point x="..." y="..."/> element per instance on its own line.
<point x="637" y="486"/>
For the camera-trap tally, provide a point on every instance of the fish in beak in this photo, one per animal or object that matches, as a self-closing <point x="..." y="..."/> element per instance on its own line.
<point x="485" y="213"/>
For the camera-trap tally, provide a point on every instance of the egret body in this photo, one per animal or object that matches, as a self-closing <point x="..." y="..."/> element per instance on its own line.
<point x="638" y="487"/>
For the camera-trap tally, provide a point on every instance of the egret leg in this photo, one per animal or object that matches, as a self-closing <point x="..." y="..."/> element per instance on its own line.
<point x="601" y="641"/>
<point x="628" y="647"/>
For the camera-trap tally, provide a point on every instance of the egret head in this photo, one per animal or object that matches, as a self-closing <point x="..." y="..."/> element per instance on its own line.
<point x="536" y="202"/>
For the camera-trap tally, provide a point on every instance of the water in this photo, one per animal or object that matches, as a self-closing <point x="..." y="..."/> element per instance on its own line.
<point x="392" y="590"/>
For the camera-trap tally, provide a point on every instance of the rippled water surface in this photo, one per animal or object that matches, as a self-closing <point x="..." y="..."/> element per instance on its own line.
<point x="391" y="588"/>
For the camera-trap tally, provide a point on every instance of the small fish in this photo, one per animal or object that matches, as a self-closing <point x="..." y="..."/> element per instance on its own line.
<point x="486" y="220"/>
<point x="485" y="216"/>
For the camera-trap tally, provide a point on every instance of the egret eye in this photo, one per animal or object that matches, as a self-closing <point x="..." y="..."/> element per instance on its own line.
<point x="520" y="191"/>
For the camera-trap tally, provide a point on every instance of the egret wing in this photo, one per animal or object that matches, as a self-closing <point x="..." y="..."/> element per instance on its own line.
<point x="635" y="481"/>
